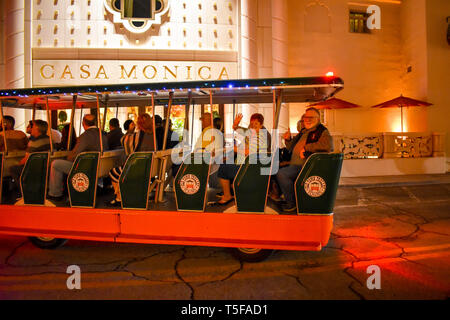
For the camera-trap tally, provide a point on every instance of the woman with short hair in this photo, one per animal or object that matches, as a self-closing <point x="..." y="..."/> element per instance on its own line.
<point x="141" y="140"/>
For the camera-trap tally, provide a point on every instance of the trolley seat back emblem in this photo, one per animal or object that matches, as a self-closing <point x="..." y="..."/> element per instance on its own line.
<point x="80" y="182"/>
<point x="315" y="186"/>
<point x="190" y="184"/>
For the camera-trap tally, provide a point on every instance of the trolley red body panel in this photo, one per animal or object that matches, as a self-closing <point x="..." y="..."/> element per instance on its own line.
<point x="287" y="232"/>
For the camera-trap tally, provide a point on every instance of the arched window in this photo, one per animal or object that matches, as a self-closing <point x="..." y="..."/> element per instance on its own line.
<point x="317" y="18"/>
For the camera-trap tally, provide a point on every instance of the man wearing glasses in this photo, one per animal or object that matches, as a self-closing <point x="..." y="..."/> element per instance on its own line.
<point x="315" y="137"/>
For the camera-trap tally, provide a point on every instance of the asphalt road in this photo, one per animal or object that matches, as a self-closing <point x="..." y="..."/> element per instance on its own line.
<point x="395" y="238"/>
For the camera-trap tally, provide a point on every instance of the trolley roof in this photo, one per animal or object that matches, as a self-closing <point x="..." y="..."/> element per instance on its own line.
<point x="306" y="89"/>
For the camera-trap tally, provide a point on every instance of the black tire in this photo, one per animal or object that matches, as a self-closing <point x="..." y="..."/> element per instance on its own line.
<point x="47" y="243"/>
<point x="251" y="254"/>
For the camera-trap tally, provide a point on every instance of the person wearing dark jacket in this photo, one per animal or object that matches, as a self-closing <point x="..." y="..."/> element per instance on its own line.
<point x="115" y="134"/>
<point x="65" y="138"/>
<point x="88" y="141"/>
<point x="38" y="142"/>
<point x="315" y="137"/>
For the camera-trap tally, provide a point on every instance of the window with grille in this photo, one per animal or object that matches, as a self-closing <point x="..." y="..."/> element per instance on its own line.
<point x="358" y="22"/>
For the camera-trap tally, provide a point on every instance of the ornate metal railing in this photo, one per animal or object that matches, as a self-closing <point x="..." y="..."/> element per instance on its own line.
<point x="359" y="146"/>
<point x="389" y="145"/>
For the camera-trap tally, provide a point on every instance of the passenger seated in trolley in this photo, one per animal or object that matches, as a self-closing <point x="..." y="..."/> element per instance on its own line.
<point x="255" y="139"/>
<point x="65" y="138"/>
<point x="285" y="158"/>
<point x="16" y="140"/>
<point x="141" y="140"/>
<point x="88" y="141"/>
<point x="314" y="138"/>
<point x="172" y="137"/>
<point x="129" y="127"/>
<point x="211" y="141"/>
<point x="115" y="134"/>
<point x="127" y="140"/>
<point x="159" y="131"/>
<point x="56" y="135"/>
<point x="220" y="144"/>
<point x="39" y="141"/>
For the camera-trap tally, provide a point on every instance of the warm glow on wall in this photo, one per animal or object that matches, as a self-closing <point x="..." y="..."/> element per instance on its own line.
<point x="396" y="124"/>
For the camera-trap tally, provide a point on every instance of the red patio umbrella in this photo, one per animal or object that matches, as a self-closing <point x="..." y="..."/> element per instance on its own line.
<point x="401" y="102"/>
<point x="334" y="103"/>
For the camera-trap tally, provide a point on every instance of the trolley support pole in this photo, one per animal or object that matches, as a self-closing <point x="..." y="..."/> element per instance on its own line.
<point x="155" y="146"/>
<point x="99" y="127"/>
<point x="187" y="126"/>
<point x="162" y="173"/>
<point x="212" y="124"/>
<point x="105" y="113"/>
<point x="81" y="120"/>
<point x="49" y="119"/>
<point x="234" y="109"/>
<point x="192" y="130"/>
<point x="72" y="117"/>
<point x="277" y="98"/>
<point x="5" y="145"/>
<point x="33" y="114"/>
<point x="166" y="128"/>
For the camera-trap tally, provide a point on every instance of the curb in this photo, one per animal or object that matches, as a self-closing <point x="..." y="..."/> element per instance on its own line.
<point x="441" y="179"/>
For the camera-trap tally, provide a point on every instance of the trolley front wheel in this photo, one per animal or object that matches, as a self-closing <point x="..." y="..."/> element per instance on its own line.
<point x="47" y="242"/>
<point x="251" y="254"/>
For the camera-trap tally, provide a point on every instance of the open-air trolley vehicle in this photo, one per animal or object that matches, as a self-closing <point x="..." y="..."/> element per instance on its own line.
<point x="251" y="224"/>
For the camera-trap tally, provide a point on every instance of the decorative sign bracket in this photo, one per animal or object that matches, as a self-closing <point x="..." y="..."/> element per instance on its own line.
<point x="137" y="16"/>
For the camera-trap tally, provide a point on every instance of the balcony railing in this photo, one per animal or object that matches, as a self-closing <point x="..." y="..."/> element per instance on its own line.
<point x="389" y="145"/>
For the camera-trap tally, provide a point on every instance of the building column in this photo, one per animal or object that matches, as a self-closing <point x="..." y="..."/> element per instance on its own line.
<point x="280" y="57"/>
<point x="248" y="52"/>
<point x="14" y="52"/>
<point x="14" y="44"/>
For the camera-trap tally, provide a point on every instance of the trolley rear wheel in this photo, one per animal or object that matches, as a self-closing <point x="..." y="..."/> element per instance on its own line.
<point x="47" y="242"/>
<point x="251" y="254"/>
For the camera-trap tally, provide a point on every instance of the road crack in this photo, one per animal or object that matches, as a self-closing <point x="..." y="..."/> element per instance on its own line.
<point x="298" y="280"/>
<point x="13" y="252"/>
<point x="183" y="257"/>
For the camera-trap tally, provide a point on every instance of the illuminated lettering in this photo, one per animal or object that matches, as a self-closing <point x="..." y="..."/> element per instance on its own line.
<point x="85" y="69"/>
<point x="67" y="71"/>
<point x="174" y="74"/>
<point x="133" y="69"/>
<point x="200" y="73"/>
<point x="223" y="73"/>
<point x="53" y="71"/>
<point x="188" y="68"/>
<point x="145" y="72"/>
<point x="102" y="71"/>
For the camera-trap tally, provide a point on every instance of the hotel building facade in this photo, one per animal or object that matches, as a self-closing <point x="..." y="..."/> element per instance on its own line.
<point x="82" y="42"/>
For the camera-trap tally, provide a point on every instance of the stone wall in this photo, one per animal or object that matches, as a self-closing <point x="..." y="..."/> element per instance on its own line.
<point x="438" y="58"/>
<point x="369" y="64"/>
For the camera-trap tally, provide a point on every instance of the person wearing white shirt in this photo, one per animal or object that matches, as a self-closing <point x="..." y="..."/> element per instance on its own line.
<point x="211" y="139"/>
<point x="56" y="136"/>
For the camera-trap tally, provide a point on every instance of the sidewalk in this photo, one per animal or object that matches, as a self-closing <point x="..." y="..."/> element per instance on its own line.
<point x="400" y="180"/>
